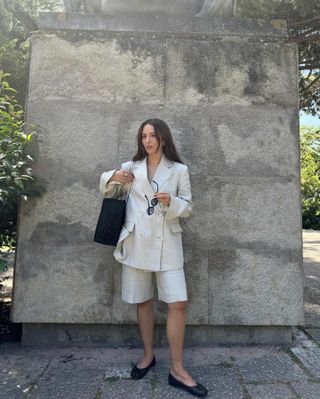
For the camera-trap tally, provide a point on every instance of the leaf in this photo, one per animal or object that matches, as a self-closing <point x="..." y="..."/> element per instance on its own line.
<point x="3" y="264"/>
<point x="11" y="89"/>
<point x="19" y="183"/>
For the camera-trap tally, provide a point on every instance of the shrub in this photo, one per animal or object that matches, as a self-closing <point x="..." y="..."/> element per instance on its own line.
<point x="16" y="178"/>
<point x="310" y="177"/>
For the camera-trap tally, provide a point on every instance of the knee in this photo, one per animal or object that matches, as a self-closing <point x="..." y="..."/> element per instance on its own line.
<point x="178" y="306"/>
<point x="149" y="302"/>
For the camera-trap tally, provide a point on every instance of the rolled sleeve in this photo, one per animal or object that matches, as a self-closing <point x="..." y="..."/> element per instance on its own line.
<point x="108" y="189"/>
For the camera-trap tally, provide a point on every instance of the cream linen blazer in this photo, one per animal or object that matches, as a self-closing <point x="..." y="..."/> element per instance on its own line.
<point x="152" y="242"/>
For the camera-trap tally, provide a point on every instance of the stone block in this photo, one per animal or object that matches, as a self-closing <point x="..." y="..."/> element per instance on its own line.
<point x="230" y="70"/>
<point x="245" y="288"/>
<point x="228" y="90"/>
<point x="113" y="69"/>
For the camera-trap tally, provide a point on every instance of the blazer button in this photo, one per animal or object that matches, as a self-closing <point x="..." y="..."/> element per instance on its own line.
<point x="140" y="236"/>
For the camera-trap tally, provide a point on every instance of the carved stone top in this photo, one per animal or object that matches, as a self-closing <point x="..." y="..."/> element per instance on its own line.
<point x="182" y="8"/>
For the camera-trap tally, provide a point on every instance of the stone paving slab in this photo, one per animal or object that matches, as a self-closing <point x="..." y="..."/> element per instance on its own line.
<point x="141" y="389"/>
<point x="113" y="373"/>
<point x="314" y="333"/>
<point x="307" y="390"/>
<point x="18" y="372"/>
<point x="67" y="381"/>
<point x="271" y="391"/>
<point x="221" y="382"/>
<point x="310" y="357"/>
<point x="275" y="367"/>
<point x="98" y="372"/>
<point x="15" y="394"/>
<point x="312" y="315"/>
<point x="303" y="340"/>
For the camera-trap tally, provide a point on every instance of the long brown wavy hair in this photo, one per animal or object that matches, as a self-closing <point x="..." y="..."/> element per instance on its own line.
<point x="163" y="132"/>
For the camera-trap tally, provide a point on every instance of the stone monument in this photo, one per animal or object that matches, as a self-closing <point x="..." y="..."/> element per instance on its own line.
<point x="164" y="7"/>
<point x="228" y="89"/>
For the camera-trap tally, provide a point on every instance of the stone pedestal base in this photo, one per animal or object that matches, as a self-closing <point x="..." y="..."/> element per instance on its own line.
<point x="42" y="334"/>
<point x="228" y="89"/>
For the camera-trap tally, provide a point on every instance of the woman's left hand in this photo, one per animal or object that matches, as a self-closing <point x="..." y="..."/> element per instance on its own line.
<point x="164" y="198"/>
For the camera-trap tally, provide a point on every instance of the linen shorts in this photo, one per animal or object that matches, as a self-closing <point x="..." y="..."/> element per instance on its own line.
<point x="138" y="285"/>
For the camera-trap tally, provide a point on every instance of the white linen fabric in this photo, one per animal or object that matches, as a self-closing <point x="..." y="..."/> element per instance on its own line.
<point x="138" y="285"/>
<point x="152" y="242"/>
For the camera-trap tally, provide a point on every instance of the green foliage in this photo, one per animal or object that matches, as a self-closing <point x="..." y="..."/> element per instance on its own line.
<point x="3" y="264"/>
<point x="17" y="19"/>
<point x="16" y="178"/>
<point x="310" y="177"/>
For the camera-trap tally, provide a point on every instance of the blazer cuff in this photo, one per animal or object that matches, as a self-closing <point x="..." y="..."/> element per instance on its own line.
<point x="104" y="178"/>
<point x="178" y="208"/>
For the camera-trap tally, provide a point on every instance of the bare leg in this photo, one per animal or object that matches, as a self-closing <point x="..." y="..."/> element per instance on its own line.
<point x="175" y="334"/>
<point x="145" y="317"/>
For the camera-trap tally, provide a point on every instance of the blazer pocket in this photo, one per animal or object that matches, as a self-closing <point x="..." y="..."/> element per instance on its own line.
<point x="129" y="226"/>
<point x="175" y="228"/>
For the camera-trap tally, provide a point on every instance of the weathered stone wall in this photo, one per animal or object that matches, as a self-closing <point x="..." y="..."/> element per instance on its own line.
<point x="228" y="90"/>
<point x="154" y="7"/>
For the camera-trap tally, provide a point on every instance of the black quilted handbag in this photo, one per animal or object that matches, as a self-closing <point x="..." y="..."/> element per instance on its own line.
<point x="110" y="222"/>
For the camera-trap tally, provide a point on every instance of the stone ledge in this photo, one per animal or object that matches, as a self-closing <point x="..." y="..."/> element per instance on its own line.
<point x="42" y="334"/>
<point x="160" y="24"/>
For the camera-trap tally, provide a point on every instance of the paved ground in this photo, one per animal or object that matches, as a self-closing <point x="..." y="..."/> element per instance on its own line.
<point x="256" y="372"/>
<point x="246" y="372"/>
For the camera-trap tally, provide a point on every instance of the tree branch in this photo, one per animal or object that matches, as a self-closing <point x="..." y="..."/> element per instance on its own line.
<point x="303" y="22"/>
<point x="303" y="67"/>
<point x="306" y="31"/>
<point x="301" y="38"/>
<point x="305" y="89"/>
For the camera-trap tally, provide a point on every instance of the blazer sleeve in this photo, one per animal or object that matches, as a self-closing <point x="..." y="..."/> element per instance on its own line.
<point x="181" y="205"/>
<point x="113" y="189"/>
<point x="108" y="189"/>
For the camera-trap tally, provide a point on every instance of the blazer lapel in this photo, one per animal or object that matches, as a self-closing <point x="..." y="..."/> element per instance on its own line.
<point x="163" y="172"/>
<point x="141" y="178"/>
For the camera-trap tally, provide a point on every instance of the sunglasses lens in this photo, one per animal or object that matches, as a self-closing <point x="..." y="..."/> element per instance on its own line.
<point x="154" y="201"/>
<point x="150" y="210"/>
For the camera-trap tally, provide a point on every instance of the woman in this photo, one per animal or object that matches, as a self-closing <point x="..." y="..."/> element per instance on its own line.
<point x="159" y="192"/>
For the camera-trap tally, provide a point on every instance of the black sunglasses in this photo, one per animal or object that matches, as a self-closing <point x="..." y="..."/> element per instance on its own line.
<point x="154" y="201"/>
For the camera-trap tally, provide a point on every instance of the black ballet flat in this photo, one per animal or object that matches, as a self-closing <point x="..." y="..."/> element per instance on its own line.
<point x="197" y="390"/>
<point x="137" y="373"/>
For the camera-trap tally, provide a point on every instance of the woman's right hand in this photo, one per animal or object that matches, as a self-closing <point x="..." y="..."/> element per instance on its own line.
<point x="122" y="176"/>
